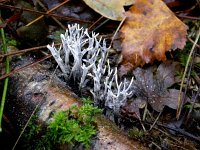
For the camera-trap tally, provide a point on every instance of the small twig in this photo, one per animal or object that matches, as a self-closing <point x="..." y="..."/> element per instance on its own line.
<point x="158" y="147"/>
<point x="117" y="30"/>
<point x="26" y="66"/>
<point x="188" y="17"/>
<point x="193" y="102"/>
<point x="187" y="10"/>
<point x="47" y="13"/>
<point x="188" y="77"/>
<point x="145" y="113"/>
<point x="180" y="131"/>
<point x="100" y="25"/>
<point x="11" y="19"/>
<point x="56" y="20"/>
<point x="197" y="45"/>
<point x="197" y="79"/>
<point x="50" y="80"/>
<point x="27" y="124"/>
<point x="89" y="29"/>
<point x="5" y="118"/>
<point x="26" y="50"/>
<point x="141" y="122"/>
<point x="167" y="134"/>
<point x="177" y="146"/>
<point x="178" y="112"/>
<point x="155" y="121"/>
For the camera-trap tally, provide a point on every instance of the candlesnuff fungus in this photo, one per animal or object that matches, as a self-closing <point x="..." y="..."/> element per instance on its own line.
<point x="89" y="55"/>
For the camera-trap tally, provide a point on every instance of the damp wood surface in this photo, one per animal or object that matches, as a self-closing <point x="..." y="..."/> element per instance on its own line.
<point x="33" y="85"/>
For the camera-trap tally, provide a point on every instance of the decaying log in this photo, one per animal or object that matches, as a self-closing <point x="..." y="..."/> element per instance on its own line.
<point x="34" y="86"/>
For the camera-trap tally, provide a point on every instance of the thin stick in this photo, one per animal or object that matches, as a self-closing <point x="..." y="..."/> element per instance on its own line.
<point x="197" y="45"/>
<point x="100" y="25"/>
<point x="27" y="50"/>
<point x="5" y="88"/>
<point x="188" y="76"/>
<point x="47" y="13"/>
<point x="26" y="66"/>
<point x="155" y="121"/>
<point x="50" y="80"/>
<point x="95" y="23"/>
<point x="27" y="124"/>
<point x="180" y="103"/>
<point x="56" y="20"/>
<point x="188" y="17"/>
<point x="117" y="30"/>
<point x="193" y="102"/>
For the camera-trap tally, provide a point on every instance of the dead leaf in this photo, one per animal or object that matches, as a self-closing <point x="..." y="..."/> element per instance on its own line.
<point x="4" y="1"/>
<point x="113" y="9"/>
<point x="129" y="2"/>
<point x="149" y="31"/>
<point x="76" y="10"/>
<point x="152" y="87"/>
<point x="168" y="99"/>
<point x="11" y="19"/>
<point x="166" y="73"/>
<point x="132" y="110"/>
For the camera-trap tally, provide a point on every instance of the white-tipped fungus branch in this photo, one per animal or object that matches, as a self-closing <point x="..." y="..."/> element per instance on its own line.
<point x="84" y="58"/>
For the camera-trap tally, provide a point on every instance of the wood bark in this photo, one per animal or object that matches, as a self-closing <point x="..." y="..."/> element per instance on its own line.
<point x="35" y="86"/>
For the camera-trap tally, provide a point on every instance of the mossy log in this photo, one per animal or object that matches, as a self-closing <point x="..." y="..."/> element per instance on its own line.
<point x="35" y="86"/>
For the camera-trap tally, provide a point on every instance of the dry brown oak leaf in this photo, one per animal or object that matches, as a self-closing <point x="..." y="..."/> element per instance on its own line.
<point x="150" y="30"/>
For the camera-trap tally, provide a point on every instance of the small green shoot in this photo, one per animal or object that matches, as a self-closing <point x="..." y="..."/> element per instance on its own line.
<point x="7" y="70"/>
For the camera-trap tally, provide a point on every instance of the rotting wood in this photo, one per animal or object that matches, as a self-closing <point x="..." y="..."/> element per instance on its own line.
<point x="33" y="85"/>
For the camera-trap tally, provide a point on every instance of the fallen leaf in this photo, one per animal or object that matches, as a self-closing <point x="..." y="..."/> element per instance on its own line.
<point x="132" y="110"/>
<point x="129" y="2"/>
<point x="149" y="31"/>
<point x="72" y="9"/>
<point x="173" y="3"/>
<point x="113" y="9"/>
<point x="152" y="87"/>
<point x="166" y="73"/>
<point x="169" y="98"/>
<point x="11" y="19"/>
<point x="182" y="6"/>
<point x="4" y="1"/>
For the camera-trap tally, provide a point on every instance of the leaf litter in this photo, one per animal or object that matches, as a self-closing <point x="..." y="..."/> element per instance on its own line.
<point x="153" y="87"/>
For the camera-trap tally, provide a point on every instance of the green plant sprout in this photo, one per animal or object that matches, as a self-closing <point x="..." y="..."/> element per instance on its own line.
<point x="7" y="70"/>
<point x="183" y="56"/>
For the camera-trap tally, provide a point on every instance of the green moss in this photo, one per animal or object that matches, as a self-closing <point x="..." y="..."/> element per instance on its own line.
<point x="76" y="125"/>
<point x="72" y="127"/>
<point x="135" y="132"/>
